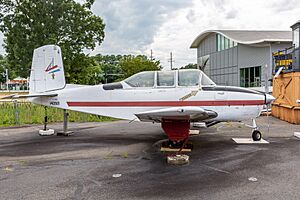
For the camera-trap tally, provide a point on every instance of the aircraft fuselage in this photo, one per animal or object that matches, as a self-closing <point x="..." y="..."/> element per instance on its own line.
<point x="230" y="103"/>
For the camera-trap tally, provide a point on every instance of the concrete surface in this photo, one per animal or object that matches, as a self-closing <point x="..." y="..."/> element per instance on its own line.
<point x="249" y="141"/>
<point x="82" y="166"/>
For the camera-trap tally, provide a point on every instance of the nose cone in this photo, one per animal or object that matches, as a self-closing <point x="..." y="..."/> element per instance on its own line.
<point x="269" y="98"/>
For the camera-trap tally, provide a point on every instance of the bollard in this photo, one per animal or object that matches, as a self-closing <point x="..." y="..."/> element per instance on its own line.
<point x="45" y="119"/>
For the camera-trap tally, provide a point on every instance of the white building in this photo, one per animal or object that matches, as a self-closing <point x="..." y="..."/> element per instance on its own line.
<point x="239" y="57"/>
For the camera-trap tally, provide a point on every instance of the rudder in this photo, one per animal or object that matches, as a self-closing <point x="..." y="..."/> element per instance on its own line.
<point x="47" y="71"/>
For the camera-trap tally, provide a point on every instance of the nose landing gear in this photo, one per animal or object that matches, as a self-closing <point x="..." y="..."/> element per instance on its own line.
<point x="256" y="135"/>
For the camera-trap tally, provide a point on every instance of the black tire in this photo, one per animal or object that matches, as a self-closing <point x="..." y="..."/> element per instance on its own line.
<point x="175" y="145"/>
<point x="256" y="135"/>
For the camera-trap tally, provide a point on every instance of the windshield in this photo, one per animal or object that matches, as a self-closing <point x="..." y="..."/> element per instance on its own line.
<point x="188" y="77"/>
<point x="142" y="79"/>
<point x="166" y="78"/>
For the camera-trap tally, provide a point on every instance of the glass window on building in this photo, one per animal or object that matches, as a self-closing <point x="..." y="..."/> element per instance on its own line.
<point x="166" y="78"/>
<point x="231" y="44"/>
<point x="142" y="79"/>
<point x="188" y="77"/>
<point x="224" y="43"/>
<point x="218" y="42"/>
<point x="235" y="43"/>
<point x="250" y="77"/>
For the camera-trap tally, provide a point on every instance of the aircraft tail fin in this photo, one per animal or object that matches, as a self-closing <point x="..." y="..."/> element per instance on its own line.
<point x="47" y="70"/>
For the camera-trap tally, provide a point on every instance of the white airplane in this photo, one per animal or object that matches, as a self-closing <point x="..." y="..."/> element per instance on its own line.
<point x="173" y="98"/>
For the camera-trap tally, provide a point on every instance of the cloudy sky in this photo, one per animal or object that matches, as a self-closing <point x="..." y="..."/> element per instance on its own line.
<point x="137" y="26"/>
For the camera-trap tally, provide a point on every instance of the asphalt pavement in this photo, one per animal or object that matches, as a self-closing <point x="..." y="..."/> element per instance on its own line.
<point x="121" y="160"/>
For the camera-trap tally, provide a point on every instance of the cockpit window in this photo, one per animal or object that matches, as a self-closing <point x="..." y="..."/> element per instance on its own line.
<point x="188" y="77"/>
<point x="206" y="81"/>
<point x="142" y="79"/>
<point x="165" y="78"/>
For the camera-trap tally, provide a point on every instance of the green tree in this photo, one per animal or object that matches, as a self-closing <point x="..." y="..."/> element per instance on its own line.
<point x="133" y="64"/>
<point x="28" y="24"/>
<point x="3" y="66"/>
<point x="190" y="66"/>
<point x="86" y="75"/>
<point x="109" y="64"/>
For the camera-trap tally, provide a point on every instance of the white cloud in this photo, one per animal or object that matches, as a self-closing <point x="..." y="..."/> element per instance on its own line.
<point x="131" y="25"/>
<point x="177" y="33"/>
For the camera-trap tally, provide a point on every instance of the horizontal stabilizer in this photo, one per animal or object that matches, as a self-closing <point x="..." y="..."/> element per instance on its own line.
<point x="16" y="96"/>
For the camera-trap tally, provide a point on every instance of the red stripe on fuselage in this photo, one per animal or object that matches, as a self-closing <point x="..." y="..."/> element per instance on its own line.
<point x="166" y="103"/>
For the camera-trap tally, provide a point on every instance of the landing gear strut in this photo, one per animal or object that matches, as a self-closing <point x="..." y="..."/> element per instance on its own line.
<point x="178" y="133"/>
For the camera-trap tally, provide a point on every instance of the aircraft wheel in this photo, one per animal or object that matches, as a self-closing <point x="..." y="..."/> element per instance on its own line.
<point x="256" y="135"/>
<point x="175" y="145"/>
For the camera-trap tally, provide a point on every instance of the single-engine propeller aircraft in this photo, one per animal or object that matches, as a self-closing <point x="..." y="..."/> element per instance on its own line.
<point x="173" y="98"/>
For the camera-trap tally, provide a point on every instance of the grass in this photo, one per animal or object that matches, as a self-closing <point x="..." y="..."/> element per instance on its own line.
<point x="34" y="114"/>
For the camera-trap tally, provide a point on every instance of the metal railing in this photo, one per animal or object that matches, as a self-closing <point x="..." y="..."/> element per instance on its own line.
<point x="283" y="58"/>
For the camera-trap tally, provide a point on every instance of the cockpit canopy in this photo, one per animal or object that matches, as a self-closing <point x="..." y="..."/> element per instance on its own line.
<point x="187" y="77"/>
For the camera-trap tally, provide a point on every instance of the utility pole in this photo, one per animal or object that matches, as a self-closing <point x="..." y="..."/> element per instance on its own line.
<point x="151" y="55"/>
<point x="171" y="60"/>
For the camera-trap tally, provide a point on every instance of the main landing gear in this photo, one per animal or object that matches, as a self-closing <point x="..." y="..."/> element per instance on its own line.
<point x="178" y="133"/>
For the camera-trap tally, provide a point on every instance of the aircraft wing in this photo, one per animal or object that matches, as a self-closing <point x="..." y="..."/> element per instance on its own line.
<point x="16" y="96"/>
<point x="191" y="113"/>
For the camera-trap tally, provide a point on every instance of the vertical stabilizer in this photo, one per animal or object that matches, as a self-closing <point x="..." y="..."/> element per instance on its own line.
<point x="47" y="71"/>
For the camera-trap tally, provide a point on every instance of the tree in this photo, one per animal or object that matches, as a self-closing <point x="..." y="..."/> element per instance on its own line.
<point x="3" y="66"/>
<point x="28" y="24"/>
<point x="84" y="75"/>
<point x="109" y="64"/>
<point x="190" y="66"/>
<point x="134" y="64"/>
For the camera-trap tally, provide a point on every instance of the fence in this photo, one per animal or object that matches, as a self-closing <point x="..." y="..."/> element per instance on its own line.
<point x="14" y="113"/>
<point x="14" y="87"/>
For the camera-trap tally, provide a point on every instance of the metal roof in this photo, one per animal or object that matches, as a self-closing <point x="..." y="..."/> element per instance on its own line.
<point x="247" y="36"/>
